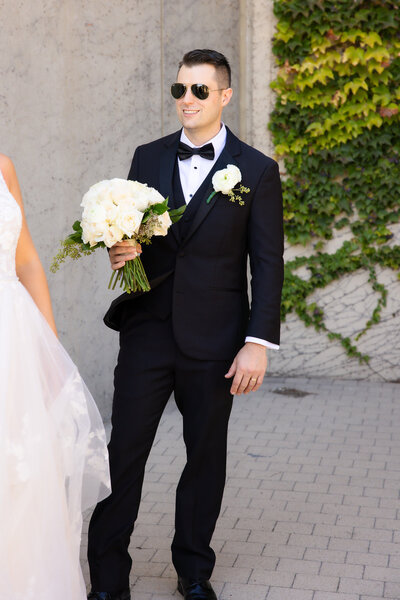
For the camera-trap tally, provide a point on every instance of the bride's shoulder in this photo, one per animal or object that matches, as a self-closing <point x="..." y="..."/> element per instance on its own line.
<point x="7" y="168"/>
<point x="5" y="162"/>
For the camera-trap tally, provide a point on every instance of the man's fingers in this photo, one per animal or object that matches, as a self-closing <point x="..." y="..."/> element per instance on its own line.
<point x="244" y="384"/>
<point x="127" y="244"/>
<point x="232" y="370"/>
<point x="122" y="257"/>
<point x="258" y="384"/>
<point x="236" y="383"/>
<point x="117" y="265"/>
<point x="125" y="248"/>
<point x="252" y="384"/>
<point x="121" y="252"/>
<point x="127" y="253"/>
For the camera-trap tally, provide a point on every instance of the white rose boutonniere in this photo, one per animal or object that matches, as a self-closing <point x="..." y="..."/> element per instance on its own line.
<point x="224" y="181"/>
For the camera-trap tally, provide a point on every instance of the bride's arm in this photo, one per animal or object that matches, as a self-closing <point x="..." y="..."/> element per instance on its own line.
<point x="28" y="266"/>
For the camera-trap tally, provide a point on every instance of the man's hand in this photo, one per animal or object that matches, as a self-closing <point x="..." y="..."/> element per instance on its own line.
<point x="121" y="252"/>
<point x="248" y="369"/>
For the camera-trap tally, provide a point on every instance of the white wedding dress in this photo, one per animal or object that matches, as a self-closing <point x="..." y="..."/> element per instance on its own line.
<point x="53" y="456"/>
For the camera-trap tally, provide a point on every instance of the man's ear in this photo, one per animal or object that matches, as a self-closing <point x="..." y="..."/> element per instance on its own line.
<point x="226" y="96"/>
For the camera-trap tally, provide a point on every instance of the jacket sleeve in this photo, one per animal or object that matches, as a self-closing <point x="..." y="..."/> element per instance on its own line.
<point x="265" y="243"/>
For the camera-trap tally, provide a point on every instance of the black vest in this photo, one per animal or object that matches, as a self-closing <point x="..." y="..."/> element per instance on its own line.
<point x="179" y="200"/>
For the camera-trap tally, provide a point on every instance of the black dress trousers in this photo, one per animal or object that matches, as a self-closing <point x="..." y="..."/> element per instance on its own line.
<point x="150" y="367"/>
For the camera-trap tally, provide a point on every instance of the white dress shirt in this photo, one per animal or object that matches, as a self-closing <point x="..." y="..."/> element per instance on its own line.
<point x="192" y="173"/>
<point x="195" y="169"/>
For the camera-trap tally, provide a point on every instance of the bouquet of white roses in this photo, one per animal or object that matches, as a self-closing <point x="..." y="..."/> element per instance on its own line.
<point x="116" y="210"/>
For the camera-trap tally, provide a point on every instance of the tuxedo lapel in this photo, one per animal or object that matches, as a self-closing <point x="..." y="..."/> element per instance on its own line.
<point x="231" y="149"/>
<point x="167" y="165"/>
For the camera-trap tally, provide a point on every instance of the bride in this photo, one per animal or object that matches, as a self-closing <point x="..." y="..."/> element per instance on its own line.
<point x="53" y="457"/>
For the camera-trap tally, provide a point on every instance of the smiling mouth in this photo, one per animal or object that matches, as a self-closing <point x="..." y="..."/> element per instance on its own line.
<point x="187" y="111"/>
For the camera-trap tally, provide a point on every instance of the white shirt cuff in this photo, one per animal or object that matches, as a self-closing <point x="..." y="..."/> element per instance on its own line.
<point x="262" y="342"/>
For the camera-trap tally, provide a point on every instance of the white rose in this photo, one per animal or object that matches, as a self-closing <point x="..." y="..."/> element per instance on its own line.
<point x="154" y="197"/>
<point x="136" y="201"/>
<point x="162" y="224"/>
<point x="92" y="233"/>
<point x="129" y="193"/>
<point x="112" y="235"/>
<point x="128" y="220"/>
<point x="96" y="192"/>
<point x="226" y="179"/>
<point x="118" y="189"/>
<point x="111" y="211"/>
<point x="136" y="188"/>
<point x="94" y="212"/>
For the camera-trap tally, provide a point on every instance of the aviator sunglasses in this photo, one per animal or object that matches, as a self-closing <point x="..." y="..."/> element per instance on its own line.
<point x="200" y="90"/>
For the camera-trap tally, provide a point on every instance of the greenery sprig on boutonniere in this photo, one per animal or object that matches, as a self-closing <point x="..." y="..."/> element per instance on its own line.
<point x="224" y="181"/>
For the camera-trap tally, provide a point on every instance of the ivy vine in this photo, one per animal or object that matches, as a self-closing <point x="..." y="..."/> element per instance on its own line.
<point x="336" y="126"/>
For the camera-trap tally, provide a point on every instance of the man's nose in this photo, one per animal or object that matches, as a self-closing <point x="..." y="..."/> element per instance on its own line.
<point x="188" y="96"/>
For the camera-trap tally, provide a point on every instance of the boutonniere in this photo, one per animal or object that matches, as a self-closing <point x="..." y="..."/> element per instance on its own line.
<point x="224" y="181"/>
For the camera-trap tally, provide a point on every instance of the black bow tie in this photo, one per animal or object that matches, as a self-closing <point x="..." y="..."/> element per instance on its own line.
<point x="185" y="151"/>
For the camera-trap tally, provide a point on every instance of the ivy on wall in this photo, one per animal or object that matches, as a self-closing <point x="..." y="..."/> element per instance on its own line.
<point x="336" y="125"/>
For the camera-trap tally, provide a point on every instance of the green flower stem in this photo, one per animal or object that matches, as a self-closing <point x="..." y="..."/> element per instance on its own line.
<point x="132" y="277"/>
<point x="111" y="284"/>
<point x="210" y="197"/>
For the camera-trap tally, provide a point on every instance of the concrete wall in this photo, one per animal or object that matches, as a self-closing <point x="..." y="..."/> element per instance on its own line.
<point x="82" y="84"/>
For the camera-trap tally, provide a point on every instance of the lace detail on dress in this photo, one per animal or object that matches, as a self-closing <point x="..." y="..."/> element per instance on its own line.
<point x="10" y="228"/>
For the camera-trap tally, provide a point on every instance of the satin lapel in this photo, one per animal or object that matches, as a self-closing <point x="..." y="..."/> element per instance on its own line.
<point x="167" y="164"/>
<point x="231" y="149"/>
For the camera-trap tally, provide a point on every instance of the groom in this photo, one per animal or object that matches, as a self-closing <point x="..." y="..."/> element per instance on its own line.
<point x="194" y="331"/>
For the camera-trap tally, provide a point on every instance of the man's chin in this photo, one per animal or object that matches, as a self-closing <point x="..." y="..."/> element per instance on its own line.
<point x="190" y="123"/>
<point x="190" y="126"/>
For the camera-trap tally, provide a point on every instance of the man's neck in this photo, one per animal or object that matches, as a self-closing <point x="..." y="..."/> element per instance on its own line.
<point x="199" y="138"/>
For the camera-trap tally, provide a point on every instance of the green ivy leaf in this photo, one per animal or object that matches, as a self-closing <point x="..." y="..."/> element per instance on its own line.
<point x="337" y="124"/>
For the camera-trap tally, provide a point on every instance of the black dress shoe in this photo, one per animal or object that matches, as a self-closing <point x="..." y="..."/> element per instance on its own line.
<point x="196" y="590"/>
<point x="125" y="595"/>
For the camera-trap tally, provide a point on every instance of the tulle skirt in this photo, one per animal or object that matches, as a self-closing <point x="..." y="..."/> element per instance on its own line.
<point x="53" y="456"/>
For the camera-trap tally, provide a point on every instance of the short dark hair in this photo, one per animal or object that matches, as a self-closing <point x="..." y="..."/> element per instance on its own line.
<point x="210" y="57"/>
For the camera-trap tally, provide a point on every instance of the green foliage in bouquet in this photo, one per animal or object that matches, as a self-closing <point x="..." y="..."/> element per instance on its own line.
<point x="73" y="247"/>
<point x="336" y="125"/>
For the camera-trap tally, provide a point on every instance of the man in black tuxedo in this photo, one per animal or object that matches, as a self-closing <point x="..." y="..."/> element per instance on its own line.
<point x="194" y="331"/>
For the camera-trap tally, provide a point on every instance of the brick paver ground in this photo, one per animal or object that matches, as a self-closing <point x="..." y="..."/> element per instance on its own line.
<point x="311" y="506"/>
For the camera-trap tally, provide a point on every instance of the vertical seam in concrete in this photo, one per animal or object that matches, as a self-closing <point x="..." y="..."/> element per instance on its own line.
<point x="243" y="62"/>
<point x="162" y="64"/>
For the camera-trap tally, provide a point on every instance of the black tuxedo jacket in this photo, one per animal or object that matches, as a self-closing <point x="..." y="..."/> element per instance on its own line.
<point x="204" y="275"/>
